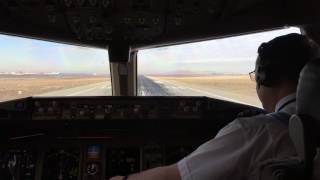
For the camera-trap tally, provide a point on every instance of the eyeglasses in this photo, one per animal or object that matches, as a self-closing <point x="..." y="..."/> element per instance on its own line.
<point x="252" y="75"/>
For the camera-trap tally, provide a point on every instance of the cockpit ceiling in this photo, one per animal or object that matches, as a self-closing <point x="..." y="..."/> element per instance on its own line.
<point x="141" y="23"/>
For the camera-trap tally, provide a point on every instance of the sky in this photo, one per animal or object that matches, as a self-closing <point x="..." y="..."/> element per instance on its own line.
<point x="229" y="55"/>
<point x="35" y="56"/>
<point x="234" y="55"/>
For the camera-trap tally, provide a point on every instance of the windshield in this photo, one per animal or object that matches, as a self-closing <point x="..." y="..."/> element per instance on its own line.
<point x="216" y="68"/>
<point x="39" y="68"/>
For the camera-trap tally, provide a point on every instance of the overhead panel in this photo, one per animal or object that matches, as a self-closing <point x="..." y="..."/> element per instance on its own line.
<point x="142" y="23"/>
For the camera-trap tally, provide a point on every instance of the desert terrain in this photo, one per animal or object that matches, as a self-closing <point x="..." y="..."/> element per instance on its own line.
<point x="237" y="88"/>
<point x="232" y="87"/>
<point x="13" y="87"/>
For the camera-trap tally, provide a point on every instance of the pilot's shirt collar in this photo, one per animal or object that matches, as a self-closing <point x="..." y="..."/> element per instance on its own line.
<point x="286" y="103"/>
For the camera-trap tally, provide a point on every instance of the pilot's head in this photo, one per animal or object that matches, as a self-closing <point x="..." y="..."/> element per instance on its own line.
<point x="278" y="66"/>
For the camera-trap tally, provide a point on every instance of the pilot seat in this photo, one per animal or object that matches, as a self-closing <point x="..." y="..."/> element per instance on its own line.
<point x="304" y="129"/>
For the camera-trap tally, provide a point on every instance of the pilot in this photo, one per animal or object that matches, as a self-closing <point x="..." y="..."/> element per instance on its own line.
<point x="240" y="148"/>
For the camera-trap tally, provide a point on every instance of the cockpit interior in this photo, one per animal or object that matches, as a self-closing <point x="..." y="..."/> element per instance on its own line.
<point x="67" y="125"/>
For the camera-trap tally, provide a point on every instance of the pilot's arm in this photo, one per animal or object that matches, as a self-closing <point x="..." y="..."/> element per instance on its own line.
<point x="214" y="158"/>
<point x="234" y="153"/>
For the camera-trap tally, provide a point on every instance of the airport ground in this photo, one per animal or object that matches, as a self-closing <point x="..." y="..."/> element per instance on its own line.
<point x="12" y="87"/>
<point x="237" y="88"/>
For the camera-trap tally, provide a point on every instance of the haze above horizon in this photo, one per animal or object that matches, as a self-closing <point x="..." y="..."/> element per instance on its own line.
<point x="235" y="55"/>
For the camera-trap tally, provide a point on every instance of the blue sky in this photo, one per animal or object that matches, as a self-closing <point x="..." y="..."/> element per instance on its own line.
<point x="230" y="55"/>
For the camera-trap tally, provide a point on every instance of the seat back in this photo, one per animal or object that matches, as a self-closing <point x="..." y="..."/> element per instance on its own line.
<point x="304" y="129"/>
<point x="305" y="126"/>
<point x="308" y="97"/>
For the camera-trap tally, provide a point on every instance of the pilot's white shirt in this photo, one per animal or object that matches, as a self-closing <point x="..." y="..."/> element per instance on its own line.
<point x="240" y="147"/>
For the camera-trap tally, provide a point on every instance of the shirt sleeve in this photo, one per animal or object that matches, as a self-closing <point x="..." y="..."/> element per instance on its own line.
<point x="219" y="157"/>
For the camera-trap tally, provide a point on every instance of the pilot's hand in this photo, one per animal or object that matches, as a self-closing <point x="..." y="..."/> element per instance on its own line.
<point x="117" y="178"/>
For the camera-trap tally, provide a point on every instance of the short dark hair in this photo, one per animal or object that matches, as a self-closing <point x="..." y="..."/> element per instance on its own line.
<point x="283" y="58"/>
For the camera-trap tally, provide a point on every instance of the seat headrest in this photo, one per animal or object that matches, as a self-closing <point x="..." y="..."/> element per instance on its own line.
<point x="308" y="92"/>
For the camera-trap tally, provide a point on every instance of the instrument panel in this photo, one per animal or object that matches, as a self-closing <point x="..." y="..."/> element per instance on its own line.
<point x="18" y="164"/>
<point x="95" y="138"/>
<point x="115" y="108"/>
<point x="91" y="162"/>
<point x="107" y="109"/>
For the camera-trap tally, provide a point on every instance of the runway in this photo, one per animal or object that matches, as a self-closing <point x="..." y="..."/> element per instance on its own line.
<point x="146" y="87"/>
<point x="98" y="89"/>
<point x="154" y="87"/>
